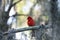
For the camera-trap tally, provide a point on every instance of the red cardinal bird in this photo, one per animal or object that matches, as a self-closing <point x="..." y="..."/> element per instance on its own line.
<point x="31" y="23"/>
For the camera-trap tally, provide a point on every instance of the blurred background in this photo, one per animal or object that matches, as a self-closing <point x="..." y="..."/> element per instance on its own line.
<point x="14" y="14"/>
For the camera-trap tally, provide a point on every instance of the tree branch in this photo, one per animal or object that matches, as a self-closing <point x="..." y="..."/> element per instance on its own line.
<point x="25" y="29"/>
<point x="13" y="5"/>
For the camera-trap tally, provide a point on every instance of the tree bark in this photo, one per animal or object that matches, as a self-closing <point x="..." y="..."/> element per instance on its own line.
<point x="55" y="20"/>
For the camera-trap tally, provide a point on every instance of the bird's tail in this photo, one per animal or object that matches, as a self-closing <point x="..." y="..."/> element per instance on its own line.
<point x="33" y="33"/>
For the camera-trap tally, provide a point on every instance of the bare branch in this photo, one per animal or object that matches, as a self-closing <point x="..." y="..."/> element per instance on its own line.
<point x="25" y="29"/>
<point x="13" y="5"/>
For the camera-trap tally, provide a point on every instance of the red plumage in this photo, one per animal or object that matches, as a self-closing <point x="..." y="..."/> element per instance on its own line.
<point x="30" y="21"/>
